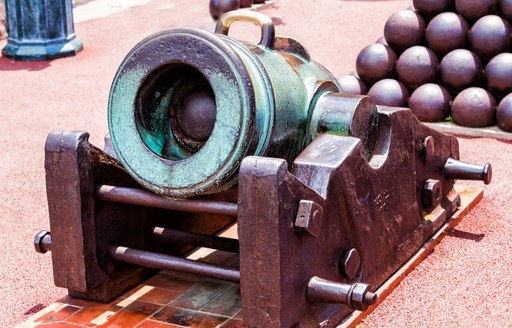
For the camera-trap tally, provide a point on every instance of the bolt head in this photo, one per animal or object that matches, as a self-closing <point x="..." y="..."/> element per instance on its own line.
<point x="350" y="263"/>
<point x="38" y="241"/>
<point x="309" y="218"/>
<point x="432" y="193"/>
<point x="362" y="297"/>
<point x="487" y="173"/>
<point x="428" y="148"/>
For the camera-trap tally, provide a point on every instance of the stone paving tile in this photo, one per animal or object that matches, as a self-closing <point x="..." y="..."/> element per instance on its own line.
<point x="132" y="315"/>
<point x="201" y="294"/>
<point x="161" y="296"/>
<point x="167" y="300"/>
<point x="188" y="318"/>
<point x="232" y="323"/>
<point x="58" y="325"/>
<point x="156" y="324"/>
<point x="54" y="313"/>
<point x="227" y="304"/>
<point x="173" y="281"/>
<point x="93" y="314"/>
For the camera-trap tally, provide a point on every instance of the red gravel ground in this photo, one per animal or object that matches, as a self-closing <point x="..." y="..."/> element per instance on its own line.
<point x="465" y="282"/>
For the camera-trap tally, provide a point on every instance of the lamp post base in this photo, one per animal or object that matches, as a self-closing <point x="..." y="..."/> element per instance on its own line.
<point x="31" y="50"/>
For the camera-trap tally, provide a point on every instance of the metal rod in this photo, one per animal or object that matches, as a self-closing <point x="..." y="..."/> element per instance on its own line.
<point x="146" y="198"/>
<point x="172" y="263"/>
<point x="356" y="296"/>
<point x="195" y="239"/>
<point x="454" y="169"/>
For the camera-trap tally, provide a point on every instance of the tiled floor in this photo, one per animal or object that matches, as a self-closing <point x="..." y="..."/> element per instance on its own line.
<point x="166" y="300"/>
<point x="171" y="299"/>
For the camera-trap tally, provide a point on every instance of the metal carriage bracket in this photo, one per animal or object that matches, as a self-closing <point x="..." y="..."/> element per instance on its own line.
<point x="313" y="239"/>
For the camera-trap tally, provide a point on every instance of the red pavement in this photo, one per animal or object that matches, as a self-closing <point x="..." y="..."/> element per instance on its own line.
<point x="466" y="282"/>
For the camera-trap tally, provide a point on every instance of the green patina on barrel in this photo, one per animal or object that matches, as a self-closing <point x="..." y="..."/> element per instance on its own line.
<point x="265" y="100"/>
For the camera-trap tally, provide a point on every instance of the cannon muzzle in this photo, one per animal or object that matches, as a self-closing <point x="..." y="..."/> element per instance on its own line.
<point x="186" y="106"/>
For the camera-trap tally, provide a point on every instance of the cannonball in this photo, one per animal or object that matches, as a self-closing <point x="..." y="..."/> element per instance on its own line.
<point x="472" y="10"/>
<point x="506" y="9"/>
<point x="474" y="107"/>
<point x="446" y="32"/>
<point x="460" y="69"/>
<point x="430" y="103"/>
<point x="498" y="74"/>
<point x="416" y="66"/>
<point x="219" y="7"/>
<point x="382" y="40"/>
<point x="430" y="8"/>
<point x="504" y="114"/>
<point x="389" y="92"/>
<point x="245" y="3"/>
<point x="375" y="62"/>
<point x="489" y="36"/>
<point x="352" y="85"/>
<point x="404" y="29"/>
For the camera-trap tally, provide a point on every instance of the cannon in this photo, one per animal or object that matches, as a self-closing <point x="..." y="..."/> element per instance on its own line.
<point x="207" y="132"/>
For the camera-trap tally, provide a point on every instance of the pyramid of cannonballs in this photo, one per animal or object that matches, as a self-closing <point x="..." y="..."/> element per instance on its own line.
<point x="442" y="58"/>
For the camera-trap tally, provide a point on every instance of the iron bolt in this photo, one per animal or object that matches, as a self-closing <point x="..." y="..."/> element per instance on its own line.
<point x="350" y="263"/>
<point x="43" y="241"/>
<point x="431" y="194"/>
<point x="355" y="296"/>
<point x="309" y="217"/>
<point x="427" y="149"/>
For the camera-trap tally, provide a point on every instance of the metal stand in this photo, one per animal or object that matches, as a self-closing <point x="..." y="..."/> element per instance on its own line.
<point x="316" y="237"/>
<point x="40" y="30"/>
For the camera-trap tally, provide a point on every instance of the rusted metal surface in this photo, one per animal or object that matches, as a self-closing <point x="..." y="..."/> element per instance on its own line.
<point x="187" y="238"/>
<point x="145" y="198"/>
<point x="173" y="263"/>
<point x="43" y="241"/>
<point x="356" y="296"/>
<point x="82" y="225"/>
<point x="454" y="169"/>
<point x="346" y="186"/>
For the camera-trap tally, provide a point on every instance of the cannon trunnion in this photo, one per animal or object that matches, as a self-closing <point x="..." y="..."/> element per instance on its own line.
<point x="330" y="193"/>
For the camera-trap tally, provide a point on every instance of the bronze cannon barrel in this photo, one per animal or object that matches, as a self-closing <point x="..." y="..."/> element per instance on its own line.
<point x="186" y="106"/>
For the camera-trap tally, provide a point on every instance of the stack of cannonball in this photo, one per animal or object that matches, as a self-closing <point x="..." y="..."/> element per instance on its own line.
<point x="219" y="7"/>
<point x="442" y="58"/>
